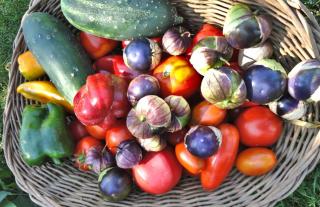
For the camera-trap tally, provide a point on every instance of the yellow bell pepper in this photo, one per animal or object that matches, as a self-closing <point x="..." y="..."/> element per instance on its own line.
<point x="29" y="66"/>
<point x="44" y="92"/>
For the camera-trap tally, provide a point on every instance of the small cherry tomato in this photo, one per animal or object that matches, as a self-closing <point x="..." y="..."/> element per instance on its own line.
<point x="77" y="130"/>
<point x="207" y="114"/>
<point x="158" y="172"/>
<point x="175" y="137"/>
<point x="96" y="131"/>
<point x="256" y="161"/>
<point x="191" y="163"/>
<point x="259" y="127"/>
<point x="116" y="135"/>
<point x="81" y="150"/>
<point x="95" y="46"/>
<point x="218" y="166"/>
<point x="115" y="65"/>
<point x="177" y="77"/>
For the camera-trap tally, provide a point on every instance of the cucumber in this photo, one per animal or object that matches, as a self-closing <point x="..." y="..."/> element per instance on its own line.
<point x="58" y="52"/>
<point x="121" y="19"/>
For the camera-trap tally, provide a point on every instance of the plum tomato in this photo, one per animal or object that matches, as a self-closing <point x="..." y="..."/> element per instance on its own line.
<point x="191" y="163"/>
<point x="256" y="161"/>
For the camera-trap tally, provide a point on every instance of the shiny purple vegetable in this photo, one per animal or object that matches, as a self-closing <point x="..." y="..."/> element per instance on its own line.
<point x="304" y="81"/>
<point x="142" y="86"/>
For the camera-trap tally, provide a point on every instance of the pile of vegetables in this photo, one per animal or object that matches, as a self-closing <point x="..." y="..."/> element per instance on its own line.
<point x="137" y="97"/>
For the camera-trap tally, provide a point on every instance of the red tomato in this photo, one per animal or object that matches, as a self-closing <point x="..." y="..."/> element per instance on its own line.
<point x="120" y="106"/>
<point x="77" y="130"/>
<point x="191" y="163"/>
<point x="207" y="30"/>
<point x="158" y="172"/>
<point x="95" y="46"/>
<point x="259" y="127"/>
<point x="81" y="150"/>
<point x="248" y="104"/>
<point x="256" y="161"/>
<point x="219" y="165"/>
<point x="177" y="77"/>
<point x="207" y="114"/>
<point x="115" y="65"/>
<point x="116" y="135"/>
<point x="97" y="131"/>
<point x="156" y="39"/>
<point x="175" y="137"/>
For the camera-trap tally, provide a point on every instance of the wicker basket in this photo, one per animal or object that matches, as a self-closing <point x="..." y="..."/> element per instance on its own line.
<point x="296" y="37"/>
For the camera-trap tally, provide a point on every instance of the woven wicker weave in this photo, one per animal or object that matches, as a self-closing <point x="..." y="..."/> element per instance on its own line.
<point x="296" y="37"/>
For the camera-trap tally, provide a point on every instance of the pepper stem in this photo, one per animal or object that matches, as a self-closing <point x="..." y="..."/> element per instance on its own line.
<point x="56" y="161"/>
<point x="225" y="61"/>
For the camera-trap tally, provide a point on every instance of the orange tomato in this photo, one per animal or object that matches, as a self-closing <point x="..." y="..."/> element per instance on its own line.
<point x="256" y="161"/>
<point x="191" y="163"/>
<point x="207" y="114"/>
<point x="177" y="77"/>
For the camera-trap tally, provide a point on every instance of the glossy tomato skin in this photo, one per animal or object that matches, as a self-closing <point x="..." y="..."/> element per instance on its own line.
<point x="176" y="137"/>
<point x="116" y="135"/>
<point x="259" y="127"/>
<point x="256" y="161"/>
<point x="207" y="30"/>
<point x="120" y="106"/>
<point x="207" y="114"/>
<point x="115" y="64"/>
<point x="95" y="46"/>
<point x="191" y="163"/>
<point x="158" y="172"/>
<point x="77" y="130"/>
<point x="81" y="150"/>
<point x="219" y="165"/>
<point x="97" y="131"/>
<point x="177" y="77"/>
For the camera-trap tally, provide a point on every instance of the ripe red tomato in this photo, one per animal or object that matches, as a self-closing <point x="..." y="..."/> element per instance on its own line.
<point x="219" y="165"/>
<point x="175" y="137"/>
<point x="207" y="114"/>
<point x="207" y="30"/>
<point x="115" y="64"/>
<point x="256" y="161"/>
<point x="97" y="131"/>
<point x="95" y="46"/>
<point x="259" y="127"/>
<point x="177" y="77"/>
<point x="77" y="130"/>
<point x="158" y="172"/>
<point x="116" y="135"/>
<point x="81" y="150"/>
<point x="191" y="163"/>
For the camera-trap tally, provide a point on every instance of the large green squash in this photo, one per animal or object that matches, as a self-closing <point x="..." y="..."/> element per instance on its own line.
<point x="58" y="52"/>
<point x="121" y="19"/>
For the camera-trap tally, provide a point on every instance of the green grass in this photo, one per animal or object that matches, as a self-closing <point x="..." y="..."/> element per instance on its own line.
<point x="11" y="11"/>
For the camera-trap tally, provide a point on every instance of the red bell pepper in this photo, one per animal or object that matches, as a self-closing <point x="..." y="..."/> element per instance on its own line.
<point x="94" y="100"/>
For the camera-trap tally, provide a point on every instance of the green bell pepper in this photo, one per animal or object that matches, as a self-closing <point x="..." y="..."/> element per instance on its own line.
<point x="44" y="134"/>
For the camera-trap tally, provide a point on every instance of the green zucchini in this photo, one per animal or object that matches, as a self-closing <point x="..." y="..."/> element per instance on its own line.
<point x="121" y="19"/>
<point x="58" y="52"/>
